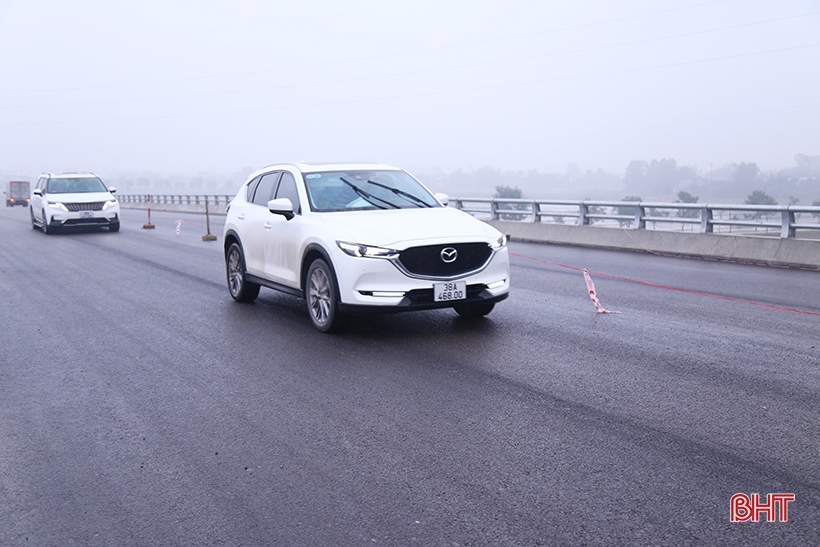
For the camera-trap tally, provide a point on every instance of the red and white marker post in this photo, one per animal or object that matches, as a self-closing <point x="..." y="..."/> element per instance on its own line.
<point x="148" y="225"/>
<point x="591" y="288"/>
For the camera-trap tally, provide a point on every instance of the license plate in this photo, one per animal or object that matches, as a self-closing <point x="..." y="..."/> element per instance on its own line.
<point x="444" y="292"/>
<point x="86" y="214"/>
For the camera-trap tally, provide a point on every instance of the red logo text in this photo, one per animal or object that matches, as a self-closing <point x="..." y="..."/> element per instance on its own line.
<point x="745" y="508"/>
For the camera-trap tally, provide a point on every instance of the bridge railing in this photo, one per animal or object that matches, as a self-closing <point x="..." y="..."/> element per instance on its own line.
<point x="782" y="220"/>
<point x="174" y="199"/>
<point x="702" y="217"/>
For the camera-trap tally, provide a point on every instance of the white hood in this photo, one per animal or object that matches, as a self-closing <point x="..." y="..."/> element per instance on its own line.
<point x="400" y="228"/>
<point x="85" y="197"/>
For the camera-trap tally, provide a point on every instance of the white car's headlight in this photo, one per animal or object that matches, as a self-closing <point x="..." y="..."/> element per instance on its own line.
<point x="109" y="203"/>
<point x="57" y="205"/>
<point x="354" y="249"/>
<point x="499" y="243"/>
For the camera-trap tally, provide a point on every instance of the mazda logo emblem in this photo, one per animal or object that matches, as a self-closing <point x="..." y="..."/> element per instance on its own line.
<point x="448" y="255"/>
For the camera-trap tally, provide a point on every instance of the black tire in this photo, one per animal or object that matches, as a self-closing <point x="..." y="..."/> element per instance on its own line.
<point x="45" y="224"/>
<point x="240" y="288"/>
<point x="476" y="310"/>
<point x="33" y="222"/>
<point x="114" y="227"/>
<point x="322" y="296"/>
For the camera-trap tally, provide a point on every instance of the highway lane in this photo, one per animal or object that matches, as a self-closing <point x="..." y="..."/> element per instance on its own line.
<point x="139" y="405"/>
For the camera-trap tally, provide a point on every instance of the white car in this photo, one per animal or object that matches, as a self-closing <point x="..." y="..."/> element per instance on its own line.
<point x="73" y="199"/>
<point x="360" y="237"/>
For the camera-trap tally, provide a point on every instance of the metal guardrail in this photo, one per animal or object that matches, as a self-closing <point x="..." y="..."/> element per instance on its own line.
<point x="174" y="199"/>
<point x="707" y="217"/>
<point x="704" y="217"/>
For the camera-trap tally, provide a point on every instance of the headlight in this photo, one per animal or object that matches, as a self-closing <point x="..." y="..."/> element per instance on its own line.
<point x="499" y="243"/>
<point x="354" y="249"/>
<point x="109" y="203"/>
<point x="58" y="206"/>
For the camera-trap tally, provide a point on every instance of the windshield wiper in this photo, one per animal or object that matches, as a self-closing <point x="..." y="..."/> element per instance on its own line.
<point x="368" y="197"/>
<point x="401" y="193"/>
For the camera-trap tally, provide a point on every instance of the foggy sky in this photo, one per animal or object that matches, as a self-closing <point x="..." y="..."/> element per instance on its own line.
<point x="205" y="86"/>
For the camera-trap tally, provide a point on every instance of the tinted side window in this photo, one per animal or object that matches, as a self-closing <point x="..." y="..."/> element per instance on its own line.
<point x="251" y="189"/>
<point x="287" y="189"/>
<point x="264" y="192"/>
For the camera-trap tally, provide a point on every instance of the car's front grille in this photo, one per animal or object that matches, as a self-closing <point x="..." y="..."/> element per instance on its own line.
<point x="93" y="206"/>
<point x="431" y="260"/>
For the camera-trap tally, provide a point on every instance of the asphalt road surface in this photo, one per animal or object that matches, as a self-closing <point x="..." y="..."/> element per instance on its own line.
<point x="140" y="405"/>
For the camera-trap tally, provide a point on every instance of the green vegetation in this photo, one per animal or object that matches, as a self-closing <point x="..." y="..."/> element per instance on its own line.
<point x="759" y="197"/>
<point x="508" y="192"/>
<point x="686" y="197"/>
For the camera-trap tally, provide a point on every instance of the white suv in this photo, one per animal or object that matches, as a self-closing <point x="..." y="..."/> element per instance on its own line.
<point x="360" y="237"/>
<point x="73" y="199"/>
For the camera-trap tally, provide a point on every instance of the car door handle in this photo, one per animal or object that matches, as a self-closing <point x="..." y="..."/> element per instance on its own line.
<point x="267" y="225"/>
<point x="241" y="216"/>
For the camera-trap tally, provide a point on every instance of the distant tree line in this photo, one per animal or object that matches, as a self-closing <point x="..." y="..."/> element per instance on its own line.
<point x="657" y="179"/>
<point x="664" y="177"/>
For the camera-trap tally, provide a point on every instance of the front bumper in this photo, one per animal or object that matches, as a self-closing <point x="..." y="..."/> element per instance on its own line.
<point x="422" y="299"/>
<point x="95" y="218"/>
<point x="378" y="285"/>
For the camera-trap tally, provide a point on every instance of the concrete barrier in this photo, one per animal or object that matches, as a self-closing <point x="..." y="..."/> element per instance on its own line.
<point x="804" y="253"/>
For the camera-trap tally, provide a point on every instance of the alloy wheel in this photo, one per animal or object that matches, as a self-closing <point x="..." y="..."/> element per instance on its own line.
<point x="319" y="296"/>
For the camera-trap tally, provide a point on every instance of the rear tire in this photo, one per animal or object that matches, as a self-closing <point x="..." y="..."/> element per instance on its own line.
<point x="474" y="311"/>
<point x="240" y="288"/>
<point x="322" y="296"/>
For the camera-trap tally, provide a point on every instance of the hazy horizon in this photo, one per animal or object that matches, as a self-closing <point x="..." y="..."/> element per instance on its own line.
<point x="188" y="87"/>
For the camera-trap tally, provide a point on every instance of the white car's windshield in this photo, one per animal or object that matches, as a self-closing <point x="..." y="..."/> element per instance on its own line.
<point x="363" y="190"/>
<point x="78" y="185"/>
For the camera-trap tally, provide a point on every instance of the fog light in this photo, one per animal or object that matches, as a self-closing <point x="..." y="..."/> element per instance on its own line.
<point x="393" y="294"/>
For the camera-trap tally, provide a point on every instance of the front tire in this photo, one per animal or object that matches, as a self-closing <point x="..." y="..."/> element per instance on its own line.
<point x="33" y="222"/>
<point x="114" y="227"/>
<point x="45" y="224"/>
<point x="240" y="288"/>
<point x="322" y="296"/>
<point x="476" y="310"/>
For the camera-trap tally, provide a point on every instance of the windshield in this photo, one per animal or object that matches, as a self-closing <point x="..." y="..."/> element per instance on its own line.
<point x="365" y="190"/>
<point x="78" y="185"/>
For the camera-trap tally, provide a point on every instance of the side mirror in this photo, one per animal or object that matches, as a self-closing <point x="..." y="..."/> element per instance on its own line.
<point x="444" y="199"/>
<point x="37" y="191"/>
<point x="112" y="189"/>
<point x="281" y="206"/>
